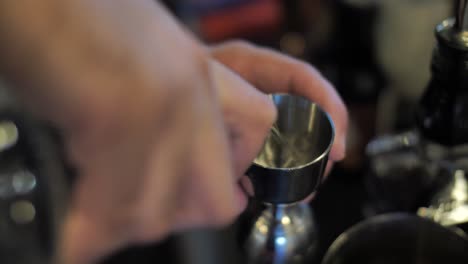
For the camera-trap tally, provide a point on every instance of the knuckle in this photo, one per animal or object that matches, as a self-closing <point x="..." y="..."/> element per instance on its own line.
<point x="222" y="216"/>
<point x="149" y="229"/>
<point x="238" y="44"/>
<point x="268" y="114"/>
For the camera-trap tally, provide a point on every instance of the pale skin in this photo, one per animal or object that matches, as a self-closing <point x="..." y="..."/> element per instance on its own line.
<point x="160" y="126"/>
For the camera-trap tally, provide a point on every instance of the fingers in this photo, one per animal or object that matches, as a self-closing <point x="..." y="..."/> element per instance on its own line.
<point x="272" y="72"/>
<point x="248" y="114"/>
<point x="85" y="241"/>
<point x="110" y="208"/>
<point x="151" y="182"/>
<point x="210" y="193"/>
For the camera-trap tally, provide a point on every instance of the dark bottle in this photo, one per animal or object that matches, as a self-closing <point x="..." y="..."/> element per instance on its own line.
<point x="359" y="77"/>
<point x="442" y="116"/>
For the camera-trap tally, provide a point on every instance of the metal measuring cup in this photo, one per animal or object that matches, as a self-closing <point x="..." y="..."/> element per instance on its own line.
<point x="288" y="169"/>
<point x="293" y="159"/>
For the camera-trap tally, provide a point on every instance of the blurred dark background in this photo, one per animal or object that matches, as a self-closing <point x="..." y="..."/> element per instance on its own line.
<point x="376" y="53"/>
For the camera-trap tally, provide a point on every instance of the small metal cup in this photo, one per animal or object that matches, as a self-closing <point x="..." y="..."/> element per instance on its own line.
<point x="293" y="159"/>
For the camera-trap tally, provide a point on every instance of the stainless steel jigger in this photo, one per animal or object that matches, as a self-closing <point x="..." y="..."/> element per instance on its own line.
<point x="288" y="169"/>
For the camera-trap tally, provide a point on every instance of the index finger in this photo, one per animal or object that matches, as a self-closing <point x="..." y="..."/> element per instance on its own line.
<point x="272" y="72"/>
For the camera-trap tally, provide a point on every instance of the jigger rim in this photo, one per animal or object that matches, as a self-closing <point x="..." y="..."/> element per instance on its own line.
<point x="324" y="153"/>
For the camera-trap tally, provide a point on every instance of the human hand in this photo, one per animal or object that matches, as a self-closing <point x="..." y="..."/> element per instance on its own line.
<point x="272" y="72"/>
<point x="167" y="154"/>
<point x="159" y="132"/>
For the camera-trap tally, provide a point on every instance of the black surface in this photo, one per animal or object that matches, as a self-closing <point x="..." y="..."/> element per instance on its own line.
<point x="338" y="206"/>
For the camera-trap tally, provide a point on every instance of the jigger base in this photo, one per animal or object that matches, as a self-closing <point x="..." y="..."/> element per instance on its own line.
<point x="282" y="234"/>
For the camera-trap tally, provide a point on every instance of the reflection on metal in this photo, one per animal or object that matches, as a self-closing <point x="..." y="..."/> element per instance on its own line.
<point x="400" y="173"/>
<point x="280" y="241"/>
<point x="292" y="161"/>
<point x="282" y="234"/>
<point x="263" y="229"/>
<point x="22" y="212"/>
<point x="302" y="134"/>
<point x="405" y="166"/>
<point x="23" y="181"/>
<point x="287" y="170"/>
<point x="19" y="182"/>
<point x="285" y="220"/>
<point x="392" y="143"/>
<point x="449" y="206"/>
<point x="8" y="135"/>
<point x="406" y="158"/>
<point x="459" y="192"/>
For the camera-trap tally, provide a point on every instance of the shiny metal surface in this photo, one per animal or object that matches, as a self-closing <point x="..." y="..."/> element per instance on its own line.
<point x="398" y="239"/>
<point x="449" y="206"/>
<point x="400" y="173"/>
<point x="282" y="234"/>
<point x="8" y="135"/>
<point x="16" y="182"/>
<point x="294" y="156"/>
<point x="23" y="181"/>
<point x="391" y="143"/>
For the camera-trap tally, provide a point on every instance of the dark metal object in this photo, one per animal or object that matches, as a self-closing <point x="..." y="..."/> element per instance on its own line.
<point x="287" y="170"/>
<point x="443" y="111"/>
<point x="398" y="239"/>
<point x="449" y="206"/>
<point x="283" y="234"/>
<point x="33" y="209"/>
<point x="422" y="168"/>
<point x="207" y="246"/>
<point x="292" y="162"/>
